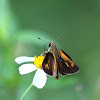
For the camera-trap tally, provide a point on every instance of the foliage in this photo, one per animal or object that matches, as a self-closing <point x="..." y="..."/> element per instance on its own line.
<point x="21" y="22"/>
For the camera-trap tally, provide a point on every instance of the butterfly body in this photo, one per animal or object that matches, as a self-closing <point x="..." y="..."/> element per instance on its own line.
<point x="57" y="61"/>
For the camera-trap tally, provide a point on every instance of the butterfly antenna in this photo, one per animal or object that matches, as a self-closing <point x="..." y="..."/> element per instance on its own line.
<point x="41" y="39"/>
<point x="58" y="38"/>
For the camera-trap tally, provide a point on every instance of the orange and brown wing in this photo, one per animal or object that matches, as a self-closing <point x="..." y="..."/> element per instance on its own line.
<point x="47" y="64"/>
<point x="66" y="65"/>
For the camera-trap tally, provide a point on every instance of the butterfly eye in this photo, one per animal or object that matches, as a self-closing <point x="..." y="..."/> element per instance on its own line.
<point x="49" y="44"/>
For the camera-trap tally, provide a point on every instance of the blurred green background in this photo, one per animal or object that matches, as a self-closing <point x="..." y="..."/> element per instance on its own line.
<point x="78" y="23"/>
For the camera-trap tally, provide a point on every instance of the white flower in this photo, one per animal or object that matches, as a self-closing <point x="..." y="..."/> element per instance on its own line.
<point x="40" y="77"/>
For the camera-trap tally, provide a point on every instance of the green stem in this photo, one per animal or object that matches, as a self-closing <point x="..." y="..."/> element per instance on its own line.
<point x="26" y="92"/>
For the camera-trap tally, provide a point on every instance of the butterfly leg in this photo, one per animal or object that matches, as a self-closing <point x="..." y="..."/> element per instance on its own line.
<point x="57" y="77"/>
<point x="44" y="52"/>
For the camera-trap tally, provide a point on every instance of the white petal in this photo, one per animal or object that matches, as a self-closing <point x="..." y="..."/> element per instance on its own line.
<point x="23" y="59"/>
<point x="26" y="68"/>
<point x="39" y="79"/>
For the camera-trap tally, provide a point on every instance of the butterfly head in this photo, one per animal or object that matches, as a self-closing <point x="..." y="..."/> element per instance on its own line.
<point x="51" y="44"/>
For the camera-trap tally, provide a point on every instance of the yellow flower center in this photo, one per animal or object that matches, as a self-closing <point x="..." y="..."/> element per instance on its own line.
<point x="38" y="61"/>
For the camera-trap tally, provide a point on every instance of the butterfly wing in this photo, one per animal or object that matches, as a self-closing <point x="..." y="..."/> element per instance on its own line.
<point x="66" y="65"/>
<point x="47" y="64"/>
